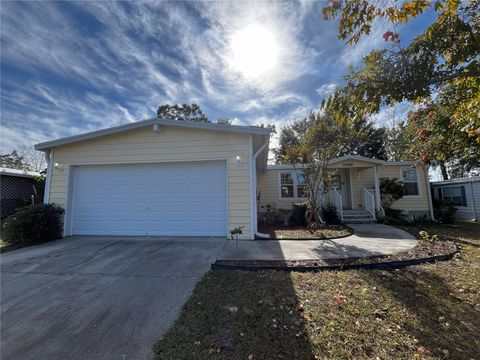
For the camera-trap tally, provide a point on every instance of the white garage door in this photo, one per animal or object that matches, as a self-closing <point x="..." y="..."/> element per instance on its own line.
<point x="156" y="199"/>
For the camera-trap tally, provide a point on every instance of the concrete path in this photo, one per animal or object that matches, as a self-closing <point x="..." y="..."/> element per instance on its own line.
<point x="368" y="240"/>
<point x="97" y="298"/>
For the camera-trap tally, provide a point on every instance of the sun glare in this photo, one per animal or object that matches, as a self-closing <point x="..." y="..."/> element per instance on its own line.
<point x="254" y="51"/>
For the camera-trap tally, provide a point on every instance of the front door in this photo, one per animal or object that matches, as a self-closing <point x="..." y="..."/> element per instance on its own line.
<point x="339" y="182"/>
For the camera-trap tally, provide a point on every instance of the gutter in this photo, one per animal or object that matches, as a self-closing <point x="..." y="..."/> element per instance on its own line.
<point x="254" y="189"/>
<point x="48" y="180"/>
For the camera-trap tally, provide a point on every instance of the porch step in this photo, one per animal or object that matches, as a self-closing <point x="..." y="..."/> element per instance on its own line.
<point x="357" y="216"/>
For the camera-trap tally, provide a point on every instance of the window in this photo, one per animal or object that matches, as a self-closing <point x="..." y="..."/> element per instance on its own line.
<point x="292" y="185"/>
<point x="455" y="194"/>
<point x="286" y="185"/>
<point x="301" y="187"/>
<point x="410" y="181"/>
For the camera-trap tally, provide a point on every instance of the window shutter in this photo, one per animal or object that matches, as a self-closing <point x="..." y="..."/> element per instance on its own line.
<point x="464" y="197"/>
<point x="439" y="193"/>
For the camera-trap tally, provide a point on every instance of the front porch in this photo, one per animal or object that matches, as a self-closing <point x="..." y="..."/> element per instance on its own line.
<point x="355" y="190"/>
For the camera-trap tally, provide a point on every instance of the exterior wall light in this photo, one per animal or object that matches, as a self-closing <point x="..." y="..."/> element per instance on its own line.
<point x="239" y="160"/>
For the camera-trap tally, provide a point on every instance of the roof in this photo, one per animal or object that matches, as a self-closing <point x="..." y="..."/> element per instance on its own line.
<point x="347" y="157"/>
<point x="18" y="172"/>
<point x="355" y="157"/>
<point x="456" y="181"/>
<point x="150" y="122"/>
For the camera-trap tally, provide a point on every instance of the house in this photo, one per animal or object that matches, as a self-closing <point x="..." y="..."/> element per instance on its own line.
<point x="355" y="191"/>
<point x="465" y="194"/>
<point x="16" y="189"/>
<point x="182" y="178"/>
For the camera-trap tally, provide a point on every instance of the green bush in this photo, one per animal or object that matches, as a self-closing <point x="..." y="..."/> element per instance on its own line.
<point x="329" y="213"/>
<point x="393" y="213"/>
<point x="391" y="190"/>
<point x="444" y="211"/>
<point x="33" y="224"/>
<point x="393" y="217"/>
<point x="299" y="213"/>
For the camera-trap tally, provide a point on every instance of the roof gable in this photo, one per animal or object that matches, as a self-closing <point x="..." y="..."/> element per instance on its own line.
<point x="151" y="122"/>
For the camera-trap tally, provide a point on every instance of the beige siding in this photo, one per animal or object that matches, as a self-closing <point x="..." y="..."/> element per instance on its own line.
<point x="268" y="183"/>
<point x="362" y="176"/>
<point x="171" y="144"/>
<point x="409" y="203"/>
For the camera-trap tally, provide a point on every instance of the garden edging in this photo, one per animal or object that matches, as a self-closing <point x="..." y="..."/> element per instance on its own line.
<point x="394" y="264"/>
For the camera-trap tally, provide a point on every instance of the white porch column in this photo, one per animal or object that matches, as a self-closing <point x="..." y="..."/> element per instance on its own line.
<point x="378" y="205"/>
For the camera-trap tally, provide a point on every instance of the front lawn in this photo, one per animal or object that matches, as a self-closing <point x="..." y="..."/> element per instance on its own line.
<point x="462" y="231"/>
<point x="301" y="232"/>
<point x="420" y="312"/>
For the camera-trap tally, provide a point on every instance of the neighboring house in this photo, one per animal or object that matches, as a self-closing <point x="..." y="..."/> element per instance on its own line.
<point x="182" y="178"/>
<point x="16" y="189"/>
<point x="465" y="194"/>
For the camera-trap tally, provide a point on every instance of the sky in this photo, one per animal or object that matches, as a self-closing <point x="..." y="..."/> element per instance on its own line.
<point x="74" y="67"/>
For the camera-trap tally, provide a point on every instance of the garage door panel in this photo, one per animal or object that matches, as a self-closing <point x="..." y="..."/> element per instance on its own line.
<point x="157" y="199"/>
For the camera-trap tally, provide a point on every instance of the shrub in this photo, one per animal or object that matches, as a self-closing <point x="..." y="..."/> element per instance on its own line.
<point x="444" y="211"/>
<point x="419" y="219"/>
<point x="390" y="191"/>
<point x="427" y="237"/>
<point x="33" y="224"/>
<point x="299" y="212"/>
<point x="393" y="213"/>
<point x="329" y="213"/>
<point x="389" y="220"/>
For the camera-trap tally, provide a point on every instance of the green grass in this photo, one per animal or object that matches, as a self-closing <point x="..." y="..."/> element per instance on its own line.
<point x="426" y="311"/>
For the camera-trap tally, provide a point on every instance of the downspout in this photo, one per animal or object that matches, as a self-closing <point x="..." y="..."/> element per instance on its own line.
<point x="48" y="180"/>
<point x="429" y="192"/>
<point x="254" y="191"/>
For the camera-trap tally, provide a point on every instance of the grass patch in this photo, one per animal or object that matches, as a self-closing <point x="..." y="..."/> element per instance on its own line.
<point x="426" y="311"/>
<point x="460" y="231"/>
<point x="302" y="233"/>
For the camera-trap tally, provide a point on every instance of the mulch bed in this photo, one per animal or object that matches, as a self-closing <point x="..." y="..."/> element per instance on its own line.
<point x="302" y="233"/>
<point x="423" y="252"/>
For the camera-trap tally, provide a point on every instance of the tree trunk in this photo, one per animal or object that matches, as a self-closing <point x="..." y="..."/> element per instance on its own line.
<point x="443" y="169"/>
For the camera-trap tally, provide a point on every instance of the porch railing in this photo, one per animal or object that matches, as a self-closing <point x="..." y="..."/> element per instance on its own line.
<point x="335" y="198"/>
<point x="369" y="202"/>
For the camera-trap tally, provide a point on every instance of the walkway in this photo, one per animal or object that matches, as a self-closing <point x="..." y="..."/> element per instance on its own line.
<point x="368" y="240"/>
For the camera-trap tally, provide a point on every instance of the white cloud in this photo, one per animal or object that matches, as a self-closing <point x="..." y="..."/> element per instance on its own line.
<point x="327" y="89"/>
<point x="138" y="57"/>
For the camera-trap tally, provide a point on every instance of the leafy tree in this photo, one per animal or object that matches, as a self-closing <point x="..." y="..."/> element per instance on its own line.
<point x="391" y="190"/>
<point x="439" y="142"/>
<point x="318" y="138"/>
<point x="370" y="144"/>
<point x="367" y="141"/>
<point x="271" y="127"/>
<point x="398" y="142"/>
<point x="12" y="161"/>
<point x="183" y="112"/>
<point x="446" y="54"/>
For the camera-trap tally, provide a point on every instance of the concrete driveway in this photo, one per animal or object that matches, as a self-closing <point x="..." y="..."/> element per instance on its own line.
<point x="97" y="297"/>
